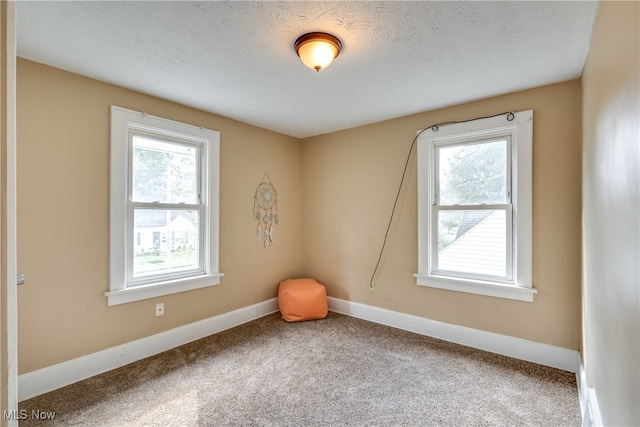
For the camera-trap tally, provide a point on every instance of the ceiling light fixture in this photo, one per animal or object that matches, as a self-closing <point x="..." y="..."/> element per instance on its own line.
<point x="317" y="50"/>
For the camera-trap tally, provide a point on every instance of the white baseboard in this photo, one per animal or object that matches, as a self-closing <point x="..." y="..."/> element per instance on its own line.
<point x="593" y="409"/>
<point x="53" y="377"/>
<point x="588" y="401"/>
<point x="583" y="390"/>
<point x="531" y="351"/>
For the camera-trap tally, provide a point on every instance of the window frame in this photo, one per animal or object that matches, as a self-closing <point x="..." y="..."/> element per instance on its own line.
<point x="437" y="206"/>
<point x="124" y="124"/>
<point x="520" y="148"/>
<point x="135" y="205"/>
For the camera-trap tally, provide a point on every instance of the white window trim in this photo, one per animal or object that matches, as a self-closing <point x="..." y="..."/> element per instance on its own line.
<point x="521" y="131"/>
<point x="122" y="121"/>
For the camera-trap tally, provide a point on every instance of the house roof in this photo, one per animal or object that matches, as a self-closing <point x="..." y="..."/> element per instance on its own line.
<point x="158" y="218"/>
<point x="469" y="220"/>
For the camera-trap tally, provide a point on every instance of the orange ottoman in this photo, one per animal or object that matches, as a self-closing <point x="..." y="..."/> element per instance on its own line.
<point x="302" y="299"/>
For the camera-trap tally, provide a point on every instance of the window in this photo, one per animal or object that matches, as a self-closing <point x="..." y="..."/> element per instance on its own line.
<point x="474" y="206"/>
<point x="163" y="207"/>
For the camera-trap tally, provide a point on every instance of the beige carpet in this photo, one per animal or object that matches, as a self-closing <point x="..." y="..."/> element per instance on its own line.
<point x="339" y="371"/>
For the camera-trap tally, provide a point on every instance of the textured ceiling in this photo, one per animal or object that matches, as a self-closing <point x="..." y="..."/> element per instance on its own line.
<point x="237" y="58"/>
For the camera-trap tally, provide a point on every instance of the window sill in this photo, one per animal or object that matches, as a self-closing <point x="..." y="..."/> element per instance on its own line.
<point x="122" y="296"/>
<point x="477" y="287"/>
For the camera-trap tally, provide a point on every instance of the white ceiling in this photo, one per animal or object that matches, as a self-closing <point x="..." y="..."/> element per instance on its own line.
<point x="237" y="59"/>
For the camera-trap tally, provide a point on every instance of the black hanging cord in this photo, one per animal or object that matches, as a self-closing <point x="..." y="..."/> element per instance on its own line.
<point x="510" y="116"/>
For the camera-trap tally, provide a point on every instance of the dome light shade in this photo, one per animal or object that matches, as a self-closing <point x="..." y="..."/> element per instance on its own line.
<point x="317" y="50"/>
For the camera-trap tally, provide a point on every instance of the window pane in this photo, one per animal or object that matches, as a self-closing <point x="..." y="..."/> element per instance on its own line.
<point x="473" y="242"/>
<point x="163" y="171"/>
<point x="166" y="241"/>
<point x="473" y="174"/>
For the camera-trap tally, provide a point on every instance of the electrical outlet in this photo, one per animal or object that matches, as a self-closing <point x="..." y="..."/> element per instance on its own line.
<point x="160" y="309"/>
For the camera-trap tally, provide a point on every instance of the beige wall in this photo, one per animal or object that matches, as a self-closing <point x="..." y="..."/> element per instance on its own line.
<point x="339" y="189"/>
<point x="611" y="211"/>
<point x="335" y="195"/>
<point x="350" y="179"/>
<point x="63" y="222"/>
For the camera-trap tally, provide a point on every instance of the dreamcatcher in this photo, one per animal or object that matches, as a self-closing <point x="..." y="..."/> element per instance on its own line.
<point x="265" y="210"/>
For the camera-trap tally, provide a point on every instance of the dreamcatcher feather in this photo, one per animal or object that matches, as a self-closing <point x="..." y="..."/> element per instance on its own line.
<point x="265" y="210"/>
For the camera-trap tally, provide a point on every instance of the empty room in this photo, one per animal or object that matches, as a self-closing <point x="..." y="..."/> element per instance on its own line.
<point x="320" y="213"/>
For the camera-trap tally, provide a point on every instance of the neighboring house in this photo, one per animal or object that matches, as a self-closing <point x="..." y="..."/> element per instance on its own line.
<point x="479" y="245"/>
<point x="152" y="235"/>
